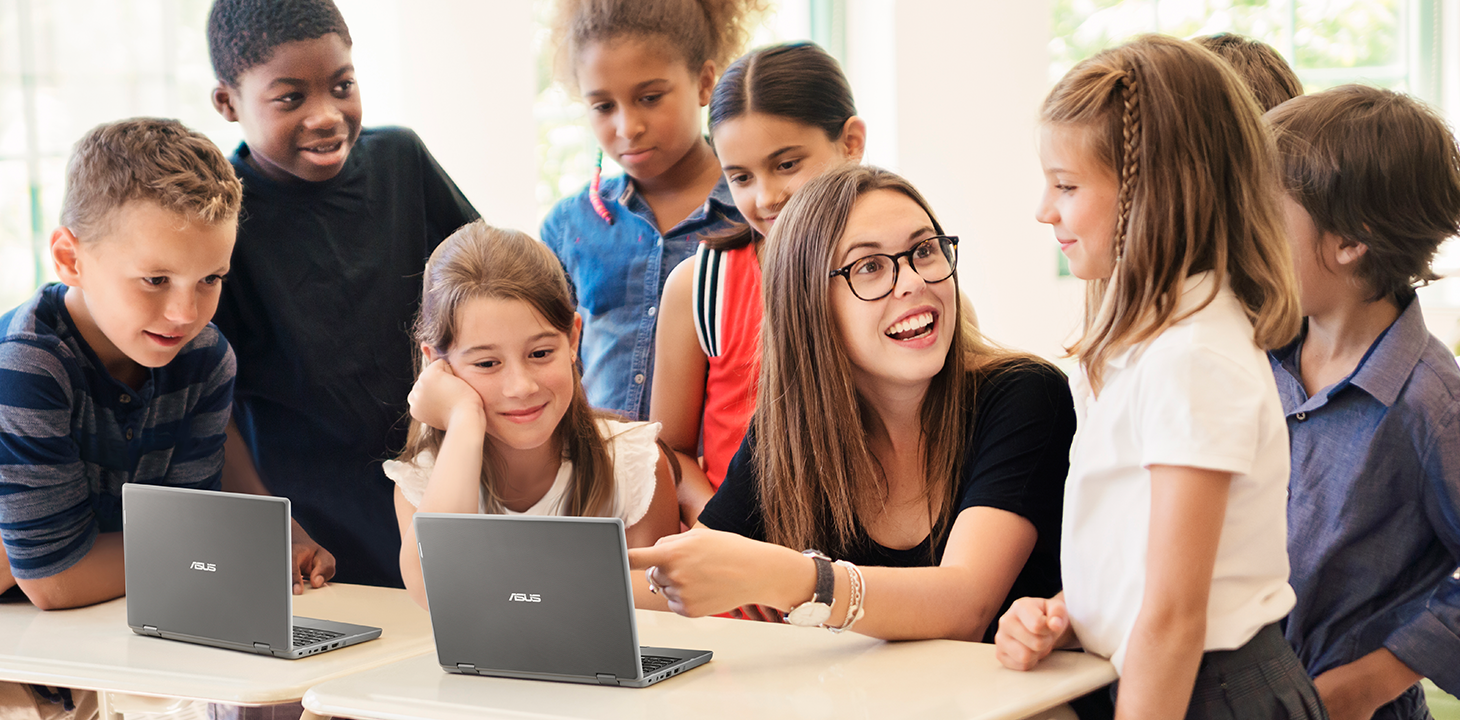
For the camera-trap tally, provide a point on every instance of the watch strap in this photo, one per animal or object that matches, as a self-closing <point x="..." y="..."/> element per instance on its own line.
<point x="825" y="579"/>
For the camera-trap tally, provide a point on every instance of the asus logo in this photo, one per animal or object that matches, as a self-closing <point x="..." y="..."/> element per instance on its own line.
<point x="524" y="597"/>
<point x="206" y="567"/>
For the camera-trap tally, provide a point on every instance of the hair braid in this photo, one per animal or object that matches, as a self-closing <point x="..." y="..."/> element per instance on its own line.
<point x="1130" y="128"/>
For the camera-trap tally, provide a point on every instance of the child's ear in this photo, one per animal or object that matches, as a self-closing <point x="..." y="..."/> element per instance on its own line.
<point x="576" y="333"/>
<point x="223" y="101"/>
<point x="428" y="352"/>
<point x="853" y="140"/>
<point x="1347" y="252"/>
<point x="707" y="82"/>
<point x="66" y="254"/>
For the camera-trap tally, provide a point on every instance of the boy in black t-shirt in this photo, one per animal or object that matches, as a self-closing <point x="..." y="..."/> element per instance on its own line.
<point x="336" y="227"/>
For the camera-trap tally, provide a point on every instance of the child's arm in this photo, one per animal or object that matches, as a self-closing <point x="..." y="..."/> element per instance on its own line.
<point x="443" y="401"/>
<point x="677" y="397"/>
<point x="1356" y="690"/>
<point x="1427" y="642"/>
<point x="410" y="562"/>
<point x="98" y="577"/>
<point x="1188" y="506"/>
<point x="662" y="519"/>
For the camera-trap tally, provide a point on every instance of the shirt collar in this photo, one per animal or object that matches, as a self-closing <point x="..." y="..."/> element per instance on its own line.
<point x="1195" y="290"/>
<point x="1383" y="372"/>
<point x="720" y="198"/>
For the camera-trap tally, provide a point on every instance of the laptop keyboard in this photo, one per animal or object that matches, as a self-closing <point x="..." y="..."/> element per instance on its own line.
<point x="310" y="636"/>
<point x="653" y="663"/>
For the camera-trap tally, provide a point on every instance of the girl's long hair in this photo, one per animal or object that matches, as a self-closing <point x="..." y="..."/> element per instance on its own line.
<point x="480" y="261"/>
<point x="1198" y="192"/>
<point x="797" y="81"/>
<point x="811" y="424"/>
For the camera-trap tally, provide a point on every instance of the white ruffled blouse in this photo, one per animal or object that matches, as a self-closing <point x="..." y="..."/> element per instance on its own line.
<point x="631" y="448"/>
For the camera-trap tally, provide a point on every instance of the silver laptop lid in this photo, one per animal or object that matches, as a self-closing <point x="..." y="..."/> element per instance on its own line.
<point x="208" y="564"/>
<point x="528" y="594"/>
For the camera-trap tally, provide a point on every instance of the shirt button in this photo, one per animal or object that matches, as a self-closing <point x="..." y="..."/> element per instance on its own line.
<point x="653" y="310"/>
<point x="639" y="379"/>
<point x="129" y="433"/>
<point x="126" y="399"/>
<point x="1301" y="416"/>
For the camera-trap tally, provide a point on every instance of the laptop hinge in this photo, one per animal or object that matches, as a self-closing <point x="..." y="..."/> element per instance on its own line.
<point x="467" y="668"/>
<point x="607" y="679"/>
<point x="262" y="648"/>
<point x="151" y="630"/>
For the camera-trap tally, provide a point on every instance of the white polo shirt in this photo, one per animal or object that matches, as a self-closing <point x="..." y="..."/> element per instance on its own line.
<point x="1199" y="395"/>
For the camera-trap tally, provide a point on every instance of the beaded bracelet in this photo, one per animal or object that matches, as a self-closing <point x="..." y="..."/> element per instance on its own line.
<point x="854" y="604"/>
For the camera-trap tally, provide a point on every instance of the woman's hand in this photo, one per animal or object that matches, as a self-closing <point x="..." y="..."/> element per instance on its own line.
<point x="1030" y="630"/>
<point x="706" y="572"/>
<point x="439" y="396"/>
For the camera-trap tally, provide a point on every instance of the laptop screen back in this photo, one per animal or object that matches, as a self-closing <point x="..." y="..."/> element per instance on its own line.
<point x="205" y="564"/>
<point x="538" y="595"/>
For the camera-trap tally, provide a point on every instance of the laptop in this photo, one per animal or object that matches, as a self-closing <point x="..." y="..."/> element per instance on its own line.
<point x="216" y="569"/>
<point x="542" y="598"/>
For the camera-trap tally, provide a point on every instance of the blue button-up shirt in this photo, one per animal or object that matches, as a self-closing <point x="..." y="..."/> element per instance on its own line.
<point x="1374" y="505"/>
<point x="619" y="272"/>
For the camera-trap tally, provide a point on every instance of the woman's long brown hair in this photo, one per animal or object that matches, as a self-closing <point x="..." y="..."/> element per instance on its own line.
<point x="480" y="261"/>
<point x="1198" y="192"/>
<point x="811" y="425"/>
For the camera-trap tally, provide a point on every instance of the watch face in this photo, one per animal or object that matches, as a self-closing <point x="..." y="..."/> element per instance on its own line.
<point x="809" y="614"/>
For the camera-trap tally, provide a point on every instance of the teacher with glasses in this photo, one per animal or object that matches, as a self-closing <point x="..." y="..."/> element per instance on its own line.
<point x="903" y="477"/>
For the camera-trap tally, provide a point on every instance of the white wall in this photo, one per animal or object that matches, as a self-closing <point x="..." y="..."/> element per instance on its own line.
<point x="950" y="90"/>
<point x="461" y="74"/>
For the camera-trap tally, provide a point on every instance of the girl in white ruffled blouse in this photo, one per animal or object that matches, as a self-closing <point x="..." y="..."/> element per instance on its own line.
<point x="500" y="423"/>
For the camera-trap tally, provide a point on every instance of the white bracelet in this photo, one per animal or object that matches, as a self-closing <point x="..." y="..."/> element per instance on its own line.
<point x="854" y="603"/>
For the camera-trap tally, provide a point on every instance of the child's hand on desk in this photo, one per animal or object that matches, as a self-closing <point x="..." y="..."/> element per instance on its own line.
<point x="311" y="561"/>
<point x="1030" y="630"/>
<point x="439" y="394"/>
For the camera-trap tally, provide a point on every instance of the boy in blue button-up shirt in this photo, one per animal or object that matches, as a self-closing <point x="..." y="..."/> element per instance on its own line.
<point x="1372" y="401"/>
<point x="116" y="375"/>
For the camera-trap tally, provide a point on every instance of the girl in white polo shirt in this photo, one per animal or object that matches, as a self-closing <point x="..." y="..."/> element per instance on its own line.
<point x="1160" y="192"/>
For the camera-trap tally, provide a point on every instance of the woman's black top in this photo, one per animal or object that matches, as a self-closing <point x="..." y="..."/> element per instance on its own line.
<point x="1016" y="460"/>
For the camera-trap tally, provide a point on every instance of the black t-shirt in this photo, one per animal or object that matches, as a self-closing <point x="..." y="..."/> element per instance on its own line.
<point x="318" y="305"/>
<point x="1017" y="459"/>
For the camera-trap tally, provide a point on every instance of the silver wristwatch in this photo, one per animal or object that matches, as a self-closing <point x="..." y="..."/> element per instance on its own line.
<point x="816" y="611"/>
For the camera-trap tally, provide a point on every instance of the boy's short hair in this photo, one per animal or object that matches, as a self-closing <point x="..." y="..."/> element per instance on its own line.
<point x="1270" y="77"/>
<point x="152" y="159"/>
<point x="244" y="33"/>
<point x="1377" y="167"/>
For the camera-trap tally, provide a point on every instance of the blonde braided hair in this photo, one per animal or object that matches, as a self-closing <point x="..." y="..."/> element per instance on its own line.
<point x="1130" y="124"/>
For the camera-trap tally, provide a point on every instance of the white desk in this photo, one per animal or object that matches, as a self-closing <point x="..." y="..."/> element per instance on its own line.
<point x="93" y="649"/>
<point x="760" y="671"/>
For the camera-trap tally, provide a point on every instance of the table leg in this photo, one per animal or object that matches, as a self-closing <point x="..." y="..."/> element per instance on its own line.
<point x="105" y="707"/>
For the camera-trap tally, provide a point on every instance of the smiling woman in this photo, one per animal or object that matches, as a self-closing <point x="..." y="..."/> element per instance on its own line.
<point x="898" y="440"/>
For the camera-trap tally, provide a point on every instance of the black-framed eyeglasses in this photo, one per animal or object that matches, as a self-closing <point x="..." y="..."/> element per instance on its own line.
<point x="875" y="276"/>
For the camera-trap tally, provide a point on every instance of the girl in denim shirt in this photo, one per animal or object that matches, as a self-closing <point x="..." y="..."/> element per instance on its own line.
<point x="645" y="68"/>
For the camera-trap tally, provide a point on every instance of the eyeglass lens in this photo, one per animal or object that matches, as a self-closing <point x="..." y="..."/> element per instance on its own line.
<point x="875" y="275"/>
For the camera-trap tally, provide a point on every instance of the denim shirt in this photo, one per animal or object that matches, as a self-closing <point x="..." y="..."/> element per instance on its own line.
<point x="1374" y="506"/>
<point x="618" y="272"/>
